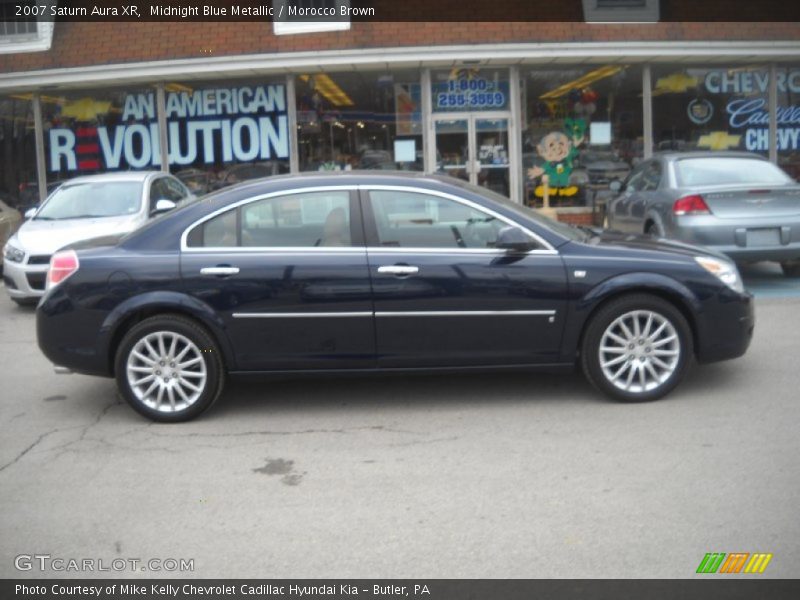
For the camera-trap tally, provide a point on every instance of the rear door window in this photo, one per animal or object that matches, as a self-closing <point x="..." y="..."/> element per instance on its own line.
<point x="303" y="220"/>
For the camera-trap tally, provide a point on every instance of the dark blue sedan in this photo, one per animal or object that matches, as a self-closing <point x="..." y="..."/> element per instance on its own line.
<point x="365" y="273"/>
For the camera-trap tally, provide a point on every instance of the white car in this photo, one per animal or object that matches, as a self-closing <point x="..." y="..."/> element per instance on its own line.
<point x="81" y="209"/>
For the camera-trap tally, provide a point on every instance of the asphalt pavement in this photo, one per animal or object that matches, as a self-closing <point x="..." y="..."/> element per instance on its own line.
<point x="451" y="476"/>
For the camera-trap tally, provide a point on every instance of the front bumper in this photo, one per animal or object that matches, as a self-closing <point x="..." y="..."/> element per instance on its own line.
<point x="23" y="280"/>
<point x="729" y="324"/>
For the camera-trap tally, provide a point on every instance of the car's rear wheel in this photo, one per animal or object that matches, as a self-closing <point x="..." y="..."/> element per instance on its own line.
<point x="169" y="369"/>
<point x="637" y="348"/>
<point x="791" y="268"/>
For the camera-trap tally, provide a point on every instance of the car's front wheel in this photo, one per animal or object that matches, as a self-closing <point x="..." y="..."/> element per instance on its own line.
<point x="637" y="348"/>
<point x="169" y="369"/>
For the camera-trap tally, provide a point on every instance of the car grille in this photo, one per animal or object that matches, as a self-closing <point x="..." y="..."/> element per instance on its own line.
<point x="36" y="280"/>
<point x="39" y="260"/>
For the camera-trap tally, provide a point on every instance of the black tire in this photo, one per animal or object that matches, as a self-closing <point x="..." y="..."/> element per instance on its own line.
<point x="652" y="230"/>
<point x="601" y="323"/>
<point x="26" y="302"/>
<point x="182" y="328"/>
<point x="791" y="268"/>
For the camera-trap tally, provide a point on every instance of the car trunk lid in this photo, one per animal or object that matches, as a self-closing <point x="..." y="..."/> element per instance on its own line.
<point x="753" y="201"/>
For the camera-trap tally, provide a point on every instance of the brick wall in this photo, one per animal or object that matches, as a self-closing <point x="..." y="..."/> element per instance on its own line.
<point x="77" y="44"/>
<point x="577" y="216"/>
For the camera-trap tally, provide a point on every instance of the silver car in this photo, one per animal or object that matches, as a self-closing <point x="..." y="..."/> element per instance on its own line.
<point x="733" y="202"/>
<point x="9" y="221"/>
<point x="81" y="209"/>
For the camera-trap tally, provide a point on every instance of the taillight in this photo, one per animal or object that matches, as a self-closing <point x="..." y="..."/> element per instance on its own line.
<point x="62" y="265"/>
<point x="691" y="205"/>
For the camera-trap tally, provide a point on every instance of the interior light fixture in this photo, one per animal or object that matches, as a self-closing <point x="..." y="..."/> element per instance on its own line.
<point x="329" y="90"/>
<point x="583" y="81"/>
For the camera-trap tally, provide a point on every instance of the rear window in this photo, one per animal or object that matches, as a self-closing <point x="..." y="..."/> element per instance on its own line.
<point x="734" y="170"/>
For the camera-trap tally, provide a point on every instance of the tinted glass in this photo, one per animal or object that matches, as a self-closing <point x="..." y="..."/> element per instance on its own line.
<point x="723" y="170"/>
<point x="636" y="180"/>
<point x="414" y="220"/>
<point x="316" y="219"/>
<point x="94" y="199"/>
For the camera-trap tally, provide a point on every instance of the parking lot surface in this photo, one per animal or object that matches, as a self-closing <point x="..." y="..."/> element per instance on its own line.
<point x="452" y="476"/>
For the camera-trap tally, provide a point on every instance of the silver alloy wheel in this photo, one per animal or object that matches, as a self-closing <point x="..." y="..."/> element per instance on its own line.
<point x="639" y="351"/>
<point x="166" y="371"/>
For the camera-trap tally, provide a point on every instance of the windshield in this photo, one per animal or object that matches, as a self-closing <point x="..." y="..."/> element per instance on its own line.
<point x="94" y="199"/>
<point x="729" y="171"/>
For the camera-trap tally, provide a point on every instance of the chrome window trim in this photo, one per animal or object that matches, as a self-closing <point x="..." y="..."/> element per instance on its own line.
<point x="184" y="247"/>
<point x="548" y="248"/>
<point x="327" y="250"/>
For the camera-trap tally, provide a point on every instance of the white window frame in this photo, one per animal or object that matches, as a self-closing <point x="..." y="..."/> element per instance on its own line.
<point x="31" y="42"/>
<point x="285" y="27"/>
<point x="649" y="13"/>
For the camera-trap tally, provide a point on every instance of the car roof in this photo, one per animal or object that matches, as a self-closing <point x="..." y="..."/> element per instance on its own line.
<point x="674" y="155"/>
<point x="119" y="176"/>
<point x="354" y="177"/>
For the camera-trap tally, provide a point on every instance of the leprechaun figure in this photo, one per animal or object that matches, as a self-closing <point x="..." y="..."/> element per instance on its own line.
<point x="558" y="151"/>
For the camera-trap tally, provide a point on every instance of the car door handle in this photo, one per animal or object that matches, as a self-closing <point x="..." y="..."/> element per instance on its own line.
<point x="219" y="271"/>
<point x="398" y="270"/>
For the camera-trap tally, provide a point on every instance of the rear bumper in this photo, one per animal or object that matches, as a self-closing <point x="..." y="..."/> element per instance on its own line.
<point x="68" y="337"/>
<point x="781" y="242"/>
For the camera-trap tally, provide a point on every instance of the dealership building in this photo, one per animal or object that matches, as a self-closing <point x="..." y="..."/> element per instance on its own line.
<point x="233" y="99"/>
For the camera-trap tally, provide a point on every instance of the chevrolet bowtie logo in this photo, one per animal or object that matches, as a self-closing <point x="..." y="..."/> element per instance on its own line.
<point x="718" y="140"/>
<point x="732" y="563"/>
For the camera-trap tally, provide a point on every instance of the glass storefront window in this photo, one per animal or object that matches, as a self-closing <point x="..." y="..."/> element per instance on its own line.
<point x="584" y="130"/>
<point x="18" y="180"/>
<point x="218" y="133"/>
<point x="359" y="120"/>
<point x="789" y="120"/>
<point x="471" y="112"/>
<point x="469" y="90"/>
<point x="94" y="131"/>
<point x="711" y="108"/>
<point x="227" y="131"/>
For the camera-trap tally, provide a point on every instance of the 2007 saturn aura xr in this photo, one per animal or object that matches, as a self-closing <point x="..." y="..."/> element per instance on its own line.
<point x="364" y="273"/>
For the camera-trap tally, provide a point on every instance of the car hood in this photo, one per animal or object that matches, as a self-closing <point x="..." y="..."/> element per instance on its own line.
<point x="45" y="237"/>
<point x="625" y="241"/>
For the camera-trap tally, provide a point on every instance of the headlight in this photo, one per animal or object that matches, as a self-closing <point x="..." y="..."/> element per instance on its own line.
<point x="13" y="253"/>
<point x="725" y="271"/>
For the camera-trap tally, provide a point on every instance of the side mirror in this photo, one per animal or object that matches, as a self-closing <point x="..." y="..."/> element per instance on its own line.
<point x="30" y="213"/>
<point x="514" y="239"/>
<point x="163" y="206"/>
<point x="615" y="185"/>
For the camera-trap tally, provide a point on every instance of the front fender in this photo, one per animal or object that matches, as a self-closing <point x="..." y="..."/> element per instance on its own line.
<point x="163" y="302"/>
<point x="637" y="282"/>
